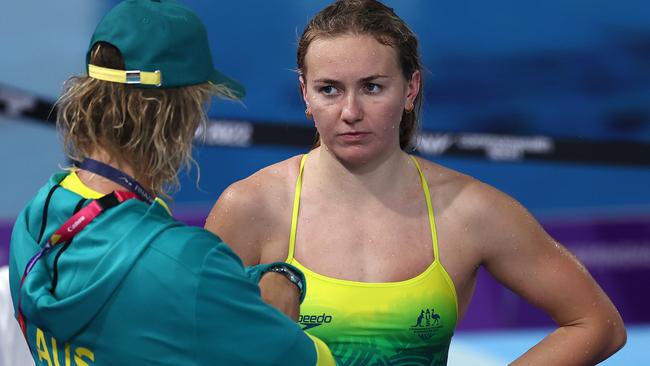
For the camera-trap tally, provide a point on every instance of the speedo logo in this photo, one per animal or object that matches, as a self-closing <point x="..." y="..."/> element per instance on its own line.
<point x="311" y="321"/>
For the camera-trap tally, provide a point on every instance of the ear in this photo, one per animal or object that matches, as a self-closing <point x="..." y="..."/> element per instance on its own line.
<point x="413" y="88"/>
<point x="303" y="89"/>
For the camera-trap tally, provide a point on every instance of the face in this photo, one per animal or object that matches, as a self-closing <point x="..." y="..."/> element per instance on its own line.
<point x="357" y="93"/>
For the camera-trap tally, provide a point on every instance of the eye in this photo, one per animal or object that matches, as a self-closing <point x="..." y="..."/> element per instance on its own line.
<point x="328" y="90"/>
<point x="372" y="88"/>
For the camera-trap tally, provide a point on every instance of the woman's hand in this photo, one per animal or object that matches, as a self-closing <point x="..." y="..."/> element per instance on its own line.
<point x="280" y="293"/>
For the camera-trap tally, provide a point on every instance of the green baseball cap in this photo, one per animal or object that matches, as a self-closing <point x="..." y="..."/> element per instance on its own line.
<point x="164" y="44"/>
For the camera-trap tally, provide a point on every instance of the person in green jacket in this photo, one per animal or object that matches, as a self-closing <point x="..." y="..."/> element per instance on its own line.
<point x="100" y="272"/>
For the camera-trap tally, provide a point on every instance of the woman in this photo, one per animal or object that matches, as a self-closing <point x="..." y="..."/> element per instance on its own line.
<point x="100" y="272"/>
<point x="390" y="243"/>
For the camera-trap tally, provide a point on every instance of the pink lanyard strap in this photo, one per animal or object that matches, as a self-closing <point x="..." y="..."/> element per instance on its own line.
<point x="67" y="231"/>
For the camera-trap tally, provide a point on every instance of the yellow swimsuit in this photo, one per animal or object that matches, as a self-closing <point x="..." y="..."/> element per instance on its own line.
<point x="408" y="322"/>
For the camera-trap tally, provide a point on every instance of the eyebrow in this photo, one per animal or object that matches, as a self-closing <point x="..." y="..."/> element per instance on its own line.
<point x="374" y="77"/>
<point x="364" y="80"/>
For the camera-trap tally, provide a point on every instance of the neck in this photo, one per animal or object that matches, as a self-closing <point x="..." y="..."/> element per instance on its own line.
<point x="104" y="185"/>
<point x="377" y="177"/>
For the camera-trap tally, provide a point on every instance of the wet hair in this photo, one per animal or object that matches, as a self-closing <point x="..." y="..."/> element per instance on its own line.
<point x="150" y="129"/>
<point x="370" y="17"/>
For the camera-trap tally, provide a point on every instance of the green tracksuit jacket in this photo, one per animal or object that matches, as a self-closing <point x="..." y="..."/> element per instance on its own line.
<point x="136" y="287"/>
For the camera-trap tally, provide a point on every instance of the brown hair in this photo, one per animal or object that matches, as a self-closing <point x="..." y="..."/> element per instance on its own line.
<point x="151" y="129"/>
<point x="376" y="19"/>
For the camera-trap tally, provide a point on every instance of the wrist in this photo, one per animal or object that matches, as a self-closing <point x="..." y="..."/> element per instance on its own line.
<point x="292" y="274"/>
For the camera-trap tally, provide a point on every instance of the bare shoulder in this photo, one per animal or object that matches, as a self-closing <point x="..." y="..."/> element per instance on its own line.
<point x="248" y="210"/>
<point x="438" y="176"/>
<point x="495" y="225"/>
<point x="482" y="208"/>
<point x="452" y="189"/>
<point x="258" y="190"/>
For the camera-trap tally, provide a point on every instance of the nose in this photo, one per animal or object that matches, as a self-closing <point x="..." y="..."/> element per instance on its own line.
<point x="352" y="110"/>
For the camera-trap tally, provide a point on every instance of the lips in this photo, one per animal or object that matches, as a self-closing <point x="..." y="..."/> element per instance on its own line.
<point x="353" y="136"/>
<point x="353" y="133"/>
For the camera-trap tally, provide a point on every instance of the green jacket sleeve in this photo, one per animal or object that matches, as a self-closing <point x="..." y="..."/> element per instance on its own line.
<point x="234" y="326"/>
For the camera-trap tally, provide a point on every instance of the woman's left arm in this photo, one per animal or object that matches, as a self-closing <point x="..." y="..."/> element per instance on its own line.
<point x="517" y="251"/>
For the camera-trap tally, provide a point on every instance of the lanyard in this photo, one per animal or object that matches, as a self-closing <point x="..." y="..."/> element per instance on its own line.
<point x="116" y="176"/>
<point x="67" y="231"/>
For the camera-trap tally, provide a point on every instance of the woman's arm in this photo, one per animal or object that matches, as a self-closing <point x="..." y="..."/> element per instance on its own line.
<point x="236" y="218"/>
<point x="518" y="252"/>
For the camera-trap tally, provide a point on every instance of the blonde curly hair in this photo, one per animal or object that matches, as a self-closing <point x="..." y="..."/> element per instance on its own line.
<point x="150" y="129"/>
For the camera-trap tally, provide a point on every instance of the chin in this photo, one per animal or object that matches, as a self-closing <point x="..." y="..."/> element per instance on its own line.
<point x="353" y="156"/>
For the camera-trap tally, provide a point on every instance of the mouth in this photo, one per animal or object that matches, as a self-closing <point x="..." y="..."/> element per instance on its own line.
<point x="353" y="136"/>
<point x="353" y="133"/>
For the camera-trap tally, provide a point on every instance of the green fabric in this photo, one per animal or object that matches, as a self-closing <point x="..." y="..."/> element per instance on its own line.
<point x="162" y="35"/>
<point x="137" y="287"/>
